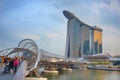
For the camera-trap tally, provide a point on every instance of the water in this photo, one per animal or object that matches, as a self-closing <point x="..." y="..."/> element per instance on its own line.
<point x="85" y="75"/>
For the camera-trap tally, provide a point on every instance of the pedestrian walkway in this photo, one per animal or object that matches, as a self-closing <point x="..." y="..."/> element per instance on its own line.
<point x="6" y="76"/>
<point x="19" y="75"/>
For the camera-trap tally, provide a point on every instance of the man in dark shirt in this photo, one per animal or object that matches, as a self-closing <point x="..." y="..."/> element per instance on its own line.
<point x="10" y="65"/>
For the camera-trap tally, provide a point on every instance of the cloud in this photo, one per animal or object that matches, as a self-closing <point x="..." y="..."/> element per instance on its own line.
<point x="30" y="36"/>
<point x="108" y="5"/>
<point x="52" y="36"/>
<point x="115" y="5"/>
<point x="111" y="39"/>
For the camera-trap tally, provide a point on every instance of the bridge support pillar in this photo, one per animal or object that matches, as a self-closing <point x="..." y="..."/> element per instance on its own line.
<point x="34" y="73"/>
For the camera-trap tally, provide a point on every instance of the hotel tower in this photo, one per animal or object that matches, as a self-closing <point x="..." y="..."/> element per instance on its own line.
<point x="82" y="39"/>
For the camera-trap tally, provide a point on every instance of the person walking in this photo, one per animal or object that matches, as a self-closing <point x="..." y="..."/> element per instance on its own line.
<point x="11" y="62"/>
<point x="0" y="61"/>
<point x="15" y="64"/>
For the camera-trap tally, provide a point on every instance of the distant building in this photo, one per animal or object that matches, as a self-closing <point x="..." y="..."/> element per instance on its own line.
<point x="82" y="39"/>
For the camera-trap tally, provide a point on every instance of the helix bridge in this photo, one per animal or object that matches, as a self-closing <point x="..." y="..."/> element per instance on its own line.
<point x="34" y="58"/>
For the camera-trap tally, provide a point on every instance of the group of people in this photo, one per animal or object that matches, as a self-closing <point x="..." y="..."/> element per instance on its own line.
<point x="9" y="64"/>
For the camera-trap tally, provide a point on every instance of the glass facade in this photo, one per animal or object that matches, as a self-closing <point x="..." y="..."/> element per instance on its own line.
<point x="85" y="40"/>
<point x="86" y="48"/>
<point x="98" y="41"/>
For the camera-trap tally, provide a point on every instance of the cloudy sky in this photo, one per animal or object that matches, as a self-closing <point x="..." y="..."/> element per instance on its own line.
<point x="43" y="21"/>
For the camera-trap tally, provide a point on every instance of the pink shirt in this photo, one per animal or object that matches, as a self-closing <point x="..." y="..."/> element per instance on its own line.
<point x="15" y="62"/>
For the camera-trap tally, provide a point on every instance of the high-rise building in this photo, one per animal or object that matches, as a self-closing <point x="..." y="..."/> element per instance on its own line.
<point x="82" y="39"/>
<point x="97" y="41"/>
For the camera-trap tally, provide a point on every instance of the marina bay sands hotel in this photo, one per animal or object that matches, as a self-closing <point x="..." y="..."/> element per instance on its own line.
<point x="82" y="39"/>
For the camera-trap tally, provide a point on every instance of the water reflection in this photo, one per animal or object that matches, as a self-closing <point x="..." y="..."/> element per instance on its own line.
<point x="112" y="76"/>
<point x="85" y="75"/>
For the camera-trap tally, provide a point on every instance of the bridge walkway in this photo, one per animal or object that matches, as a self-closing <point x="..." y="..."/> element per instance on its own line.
<point x="19" y="75"/>
<point x="5" y="76"/>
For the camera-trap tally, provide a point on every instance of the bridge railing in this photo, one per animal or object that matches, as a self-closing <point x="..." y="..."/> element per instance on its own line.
<point x="45" y="55"/>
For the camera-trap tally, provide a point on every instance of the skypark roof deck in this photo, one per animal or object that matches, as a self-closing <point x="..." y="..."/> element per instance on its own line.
<point x="70" y="15"/>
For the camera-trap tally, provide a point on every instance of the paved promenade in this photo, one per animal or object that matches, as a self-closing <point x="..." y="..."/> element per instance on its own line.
<point x="5" y="76"/>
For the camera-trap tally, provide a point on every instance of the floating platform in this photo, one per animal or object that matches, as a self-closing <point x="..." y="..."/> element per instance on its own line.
<point x="102" y="68"/>
<point x="67" y="69"/>
<point x="50" y="72"/>
<point x="34" y="78"/>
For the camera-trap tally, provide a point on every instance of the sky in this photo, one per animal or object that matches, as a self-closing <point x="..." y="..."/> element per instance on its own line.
<point x="44" y="22"/>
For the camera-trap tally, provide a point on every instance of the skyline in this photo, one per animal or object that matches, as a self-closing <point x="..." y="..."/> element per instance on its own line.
<point x="44" y="22"/>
